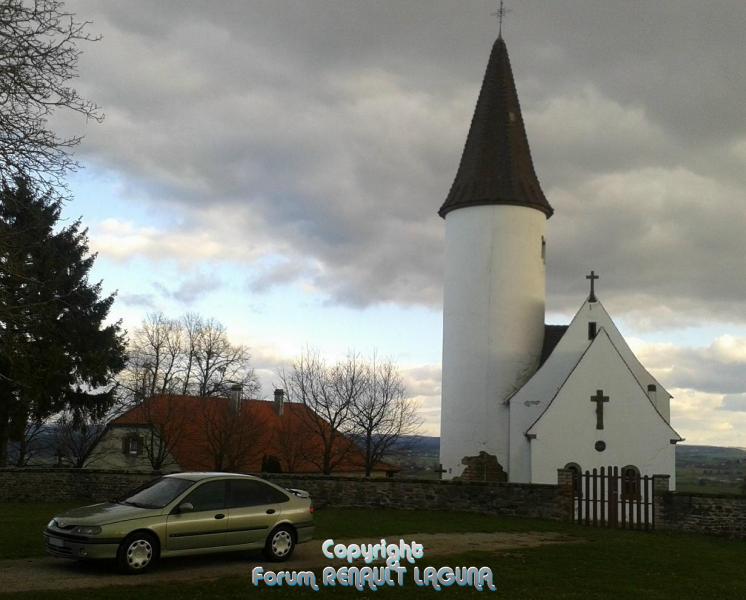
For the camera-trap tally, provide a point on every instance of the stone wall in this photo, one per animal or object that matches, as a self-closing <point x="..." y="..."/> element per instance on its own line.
<point x="67" y="485"/>
<point x="698" y="513"/>
<point x="524" y="500"/>
<point x="702" y="513"/>
<point x="513" y="499"/>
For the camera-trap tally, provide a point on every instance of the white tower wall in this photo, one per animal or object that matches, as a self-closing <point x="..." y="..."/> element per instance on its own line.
<point x="493" y="325"/>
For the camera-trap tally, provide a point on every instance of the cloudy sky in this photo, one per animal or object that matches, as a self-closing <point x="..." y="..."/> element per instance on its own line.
<point x="278" y="164"/>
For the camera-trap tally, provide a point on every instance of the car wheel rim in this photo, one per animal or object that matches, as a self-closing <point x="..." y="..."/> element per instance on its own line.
<point x="139" y="554"/>
<point x="282" y="542"/>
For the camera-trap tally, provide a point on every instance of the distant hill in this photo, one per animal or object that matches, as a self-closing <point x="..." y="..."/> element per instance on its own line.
<point x="419" y="443"/>
<point x="417" y="455"/>
<point x="687" y="454"/>
<point x="716" y="469"/>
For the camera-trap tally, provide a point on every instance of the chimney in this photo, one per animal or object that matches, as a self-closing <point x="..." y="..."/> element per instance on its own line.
<point x="235" y="397"/>
<point x="653" y="394"/>
<point x="279" y="401"/>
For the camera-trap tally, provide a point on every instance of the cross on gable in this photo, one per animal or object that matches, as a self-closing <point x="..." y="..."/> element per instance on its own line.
<point x="599" y="399"/>
<point x="592" y="277"/>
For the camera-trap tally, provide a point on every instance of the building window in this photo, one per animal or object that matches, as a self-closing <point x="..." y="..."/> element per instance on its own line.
<point x="543" y="250"/>
<point x="132" y="445"/>
<point x="591" y="330"/>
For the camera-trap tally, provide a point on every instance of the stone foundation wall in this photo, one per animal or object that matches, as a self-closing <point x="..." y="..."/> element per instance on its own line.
<point x="702" y="513"/>
<point x="523" y="500"/>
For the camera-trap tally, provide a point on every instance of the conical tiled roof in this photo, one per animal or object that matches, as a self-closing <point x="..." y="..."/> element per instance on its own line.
<point x="496" y="166"/>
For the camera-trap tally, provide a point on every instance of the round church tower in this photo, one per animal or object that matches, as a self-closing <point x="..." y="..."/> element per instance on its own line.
<point x="495" y="283"/>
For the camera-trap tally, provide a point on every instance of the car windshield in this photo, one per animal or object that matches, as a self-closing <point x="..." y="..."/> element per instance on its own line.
<point x="156" y="494"/>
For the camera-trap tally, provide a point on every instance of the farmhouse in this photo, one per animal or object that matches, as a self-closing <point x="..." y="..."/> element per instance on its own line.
<point x="522" y="399"/>
<point x="191" y="433"/>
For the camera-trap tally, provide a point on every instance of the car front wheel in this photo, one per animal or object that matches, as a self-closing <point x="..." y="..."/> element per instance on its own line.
<point x="137" y="553"/>
<point x="280" y="544"/>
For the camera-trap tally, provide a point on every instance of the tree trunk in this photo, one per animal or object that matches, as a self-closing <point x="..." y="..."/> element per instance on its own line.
<point x="368" y="453"/>
<point x="22" y="450"/>
<point x="4" y="432"/>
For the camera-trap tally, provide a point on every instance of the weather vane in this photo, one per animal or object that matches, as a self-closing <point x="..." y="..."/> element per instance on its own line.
<point x="500" y="14"/>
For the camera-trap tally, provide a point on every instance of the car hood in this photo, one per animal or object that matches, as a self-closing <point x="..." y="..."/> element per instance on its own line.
<point x="101" y="514"/>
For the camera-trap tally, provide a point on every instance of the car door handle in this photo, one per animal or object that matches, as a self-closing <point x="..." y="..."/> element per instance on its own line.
<point x="220" y="516"/>
<point x="270" y="511"/>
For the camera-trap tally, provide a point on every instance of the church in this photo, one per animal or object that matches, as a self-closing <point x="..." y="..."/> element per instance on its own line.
<point x="522" y="399"/>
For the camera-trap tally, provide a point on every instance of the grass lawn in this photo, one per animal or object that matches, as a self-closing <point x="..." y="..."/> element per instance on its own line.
<point x="605" y="564"/>
<point x="350" y="523"/>
<point x="21" y="526"/>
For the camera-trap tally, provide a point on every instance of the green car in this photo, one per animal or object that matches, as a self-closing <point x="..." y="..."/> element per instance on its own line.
<point x="184" y="514"/>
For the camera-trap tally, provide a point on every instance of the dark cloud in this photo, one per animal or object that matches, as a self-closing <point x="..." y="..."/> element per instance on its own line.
<point x="190" y="290"/>
<point x="334" y="130"/>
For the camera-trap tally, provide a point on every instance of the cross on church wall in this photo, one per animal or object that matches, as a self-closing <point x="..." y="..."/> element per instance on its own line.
<point x="599" y="399"/>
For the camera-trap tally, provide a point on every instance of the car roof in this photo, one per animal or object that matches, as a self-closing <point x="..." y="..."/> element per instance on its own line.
<point x="202" y="475"/>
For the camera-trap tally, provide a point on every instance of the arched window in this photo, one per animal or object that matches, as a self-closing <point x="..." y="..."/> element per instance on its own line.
<point x="577" y="473"/>
<point x="630" y="483"/>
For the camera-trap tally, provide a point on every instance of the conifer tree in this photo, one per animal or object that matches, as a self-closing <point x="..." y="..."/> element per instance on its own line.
<point x="56" y="350"/>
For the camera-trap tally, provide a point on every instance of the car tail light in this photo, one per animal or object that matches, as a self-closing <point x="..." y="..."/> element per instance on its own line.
<point x="311" y="509"/>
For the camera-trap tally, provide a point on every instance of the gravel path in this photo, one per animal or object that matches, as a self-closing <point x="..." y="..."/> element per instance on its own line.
<point x="55" y="574"/>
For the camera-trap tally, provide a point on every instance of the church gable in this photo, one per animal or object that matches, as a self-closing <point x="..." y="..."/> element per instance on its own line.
<point x="661" y="398"/>
<point x="528" y="403"/>
<point x="600" y="416"/>
<point x="533" y="398"/>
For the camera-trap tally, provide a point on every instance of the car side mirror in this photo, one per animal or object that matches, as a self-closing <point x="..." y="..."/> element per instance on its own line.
<point x="186" y="507"/>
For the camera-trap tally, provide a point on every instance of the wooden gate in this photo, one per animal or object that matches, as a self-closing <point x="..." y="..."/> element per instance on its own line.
<point x="611" y="497"/>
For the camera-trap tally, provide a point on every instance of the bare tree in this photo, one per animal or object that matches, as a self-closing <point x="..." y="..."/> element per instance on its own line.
<point x="166" y="424"/>
<point x="382" y="413"/>
<point x="218" y="364"/>
<point x="328" y="394"/>
<point x="30" y="443"/>
<point x="153" y="363"/>
<point x="292" y="443"/>
<point x="190" y="355"/>
<point x="232" y="435"/>
<point x="157" y="350"/>
<point x="191" y="324"/>
<point x="76" y="435"/>
<point x="38" y="59"/>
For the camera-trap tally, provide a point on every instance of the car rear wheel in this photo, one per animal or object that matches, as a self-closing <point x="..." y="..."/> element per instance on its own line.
<point x="137" y="553"/>
<point x="280" y="544"/>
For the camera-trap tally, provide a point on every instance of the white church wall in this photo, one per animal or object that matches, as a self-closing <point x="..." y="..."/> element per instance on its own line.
<point x="493" y="324"/>
<point x="634" y="432"/>
<point x="531" y="400"/>
<point x="662" y="402"/>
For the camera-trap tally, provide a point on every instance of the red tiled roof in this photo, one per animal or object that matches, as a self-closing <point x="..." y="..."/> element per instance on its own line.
<point x="195" y="428"/>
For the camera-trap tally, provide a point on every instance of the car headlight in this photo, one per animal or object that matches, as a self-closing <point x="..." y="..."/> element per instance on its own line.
<point x="52" y="523"/>
<point x="87" y="530"/>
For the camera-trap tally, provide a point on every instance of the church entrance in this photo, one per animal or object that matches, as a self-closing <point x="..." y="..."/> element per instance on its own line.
<point x="614" y="497"/>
